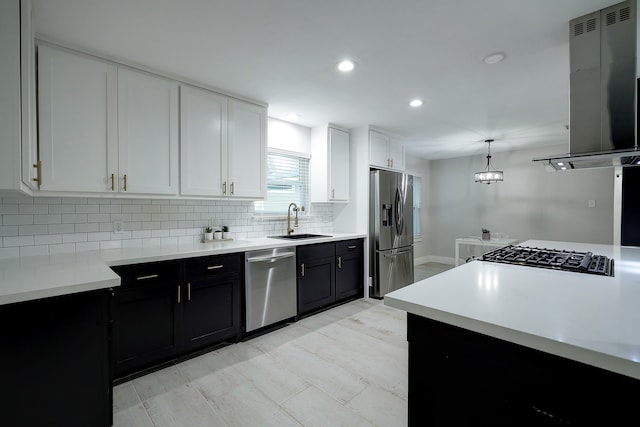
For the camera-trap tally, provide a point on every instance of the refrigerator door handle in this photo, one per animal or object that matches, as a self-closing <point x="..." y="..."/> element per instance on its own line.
<point x="399" y="212"/>
<point x="396" y="254"/>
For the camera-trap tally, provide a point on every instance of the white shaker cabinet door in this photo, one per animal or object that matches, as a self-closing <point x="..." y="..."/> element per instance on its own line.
<point x="247" y="150"/>
<point x="338" y="165"/>
<point x="379" y="150"/>
<point x="203" y="137"/>
<point x="77" y="121"/>
<point x="396" y="153"/>
<point x="148" y="133"/>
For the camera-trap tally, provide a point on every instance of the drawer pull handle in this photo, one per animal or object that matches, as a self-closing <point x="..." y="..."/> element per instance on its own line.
<point x="150" y="276"/>
<point x="352" y="247"/>
<point x="215" y="267"/>
<point x="302" y="270"/>
<point x="179" y="293"/>
<point x="339" y="262"/>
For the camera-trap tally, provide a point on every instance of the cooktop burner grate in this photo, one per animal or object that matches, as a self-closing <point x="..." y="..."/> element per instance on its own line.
<point x="580" y="262"/>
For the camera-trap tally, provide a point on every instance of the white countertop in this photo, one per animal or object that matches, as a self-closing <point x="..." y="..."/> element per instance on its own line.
<point x="584" y="317"/>
<point x="34" y="277"/>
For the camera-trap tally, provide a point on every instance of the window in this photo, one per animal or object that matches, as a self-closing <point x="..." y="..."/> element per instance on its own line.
<point x="417" y="188"/>
<point x="287" y="181"/>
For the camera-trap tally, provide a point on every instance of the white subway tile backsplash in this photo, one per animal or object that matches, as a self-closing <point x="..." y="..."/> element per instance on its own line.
<point x="47" y="219"/>
<point x="33" y="209"/>
<point x="41" y="225"/>
<point x="92" y="237"/>
<point x="30" y="230"/>
<point x="61" y="228"/>
<point x="8" y="209"/>
<point x="17" y="219"/>
<point x="17" y="241"/>
<point x="9" y="230"/>
<point x="48" y="239"/>
<point x="9" y="252"/>
<point x="74" y="237"/>
<point x="87" y="209"/>
<point x="62" y="209"/>
<point x="75" y="219"/>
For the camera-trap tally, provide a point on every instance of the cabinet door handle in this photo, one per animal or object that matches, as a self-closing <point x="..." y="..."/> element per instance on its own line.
<point x="391" y="162"/>
<point x="215" y="267"/>
<point x="188" y="291"/>
<point x="352" y="247"/>
<point x="125" y="182"/>
<point x="179" y="293"/>
<point x="224" y="188"/>
<point x="339" y="262"/>
<point x="112" y="182"/>
<point x="232" y="187"/>
<point x="302" y="270"/>
<point x="150" y="276"/>
<point x="38" y="178"/>
<point x="333" y="193"/>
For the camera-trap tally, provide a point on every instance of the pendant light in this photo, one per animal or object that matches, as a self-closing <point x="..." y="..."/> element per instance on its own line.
<point x="489" y="175"/>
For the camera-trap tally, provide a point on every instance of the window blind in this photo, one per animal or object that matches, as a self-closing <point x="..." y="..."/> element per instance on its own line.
<point x="287" y="181"/>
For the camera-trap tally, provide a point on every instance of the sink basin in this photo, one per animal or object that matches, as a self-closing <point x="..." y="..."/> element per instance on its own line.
<point x="299" y="236"/>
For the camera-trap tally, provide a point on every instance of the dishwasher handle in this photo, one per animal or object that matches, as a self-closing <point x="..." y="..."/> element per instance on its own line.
<point x="271" y="258"/>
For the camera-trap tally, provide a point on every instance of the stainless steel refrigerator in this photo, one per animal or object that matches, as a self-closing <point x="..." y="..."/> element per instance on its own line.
<point x="390" y="231"/>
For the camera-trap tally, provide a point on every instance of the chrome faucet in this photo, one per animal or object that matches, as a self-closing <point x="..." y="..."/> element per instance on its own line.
<point x="295" y="223"/>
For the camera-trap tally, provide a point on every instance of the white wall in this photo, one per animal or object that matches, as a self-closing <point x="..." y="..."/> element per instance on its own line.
<point x="288" y="136"/>
<point x="530" y="204"/>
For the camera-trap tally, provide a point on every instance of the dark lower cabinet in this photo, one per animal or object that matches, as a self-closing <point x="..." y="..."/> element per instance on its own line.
<point x="54" y="354"/>
<point x="349" y="269"/>
<point x="145" y="326"/>
<point x="460" y="377"/>
<point x="328" y="273"/>
<point x="211" y="308"/>
<point x="167" y="309"/>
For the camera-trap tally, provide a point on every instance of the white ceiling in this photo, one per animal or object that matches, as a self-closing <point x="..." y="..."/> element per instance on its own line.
<point x="284" y="53"/>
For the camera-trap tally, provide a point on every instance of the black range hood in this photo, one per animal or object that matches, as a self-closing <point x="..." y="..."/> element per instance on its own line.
<point x="603" y="91"/>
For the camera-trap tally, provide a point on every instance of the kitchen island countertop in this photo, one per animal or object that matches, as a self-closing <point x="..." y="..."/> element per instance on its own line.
<point x="583" y="317"/>
<point x="33" y="277"/>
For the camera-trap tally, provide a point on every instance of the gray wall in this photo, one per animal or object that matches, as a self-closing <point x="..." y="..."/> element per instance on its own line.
<point x="530" y="204"/>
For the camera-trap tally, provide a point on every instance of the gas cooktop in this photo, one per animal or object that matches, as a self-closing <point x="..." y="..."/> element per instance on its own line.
<point x="579" y="262"/>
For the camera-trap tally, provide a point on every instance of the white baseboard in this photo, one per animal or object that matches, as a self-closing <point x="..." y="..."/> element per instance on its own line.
<point x="432" y="258"/>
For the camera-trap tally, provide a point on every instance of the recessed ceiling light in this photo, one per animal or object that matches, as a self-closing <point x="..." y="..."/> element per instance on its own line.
<point x="293" y="116"/>
<point x="415" y="103"/>
<point x="494" y="58"/>
<point x="346" y="65"/>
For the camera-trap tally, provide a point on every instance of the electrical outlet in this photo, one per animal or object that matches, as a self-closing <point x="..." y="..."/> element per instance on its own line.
<point x="592" y="203"/>
<point x="118" y="226"/>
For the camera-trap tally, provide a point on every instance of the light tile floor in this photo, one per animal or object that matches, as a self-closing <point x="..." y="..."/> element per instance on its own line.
<point x="343" y="367"/>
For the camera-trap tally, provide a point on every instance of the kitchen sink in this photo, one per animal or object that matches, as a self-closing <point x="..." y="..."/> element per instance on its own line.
<point x="299" y="236"/>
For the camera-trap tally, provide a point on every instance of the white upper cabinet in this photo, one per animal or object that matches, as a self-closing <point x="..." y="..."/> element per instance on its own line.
<point x="77" y="121"/>
<point x="246" y="151"/>
<point x="385" y="151"/>
<point x="108" y="128"/>
<point x="147" y="133"/>
<point x="18" y="150"/>
<point x="203" y="140"/>
<point x="329" y="165"/>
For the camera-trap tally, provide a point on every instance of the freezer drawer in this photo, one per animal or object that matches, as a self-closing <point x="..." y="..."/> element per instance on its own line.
<point x="270" y="287"/>
<point x="393" y="269"/>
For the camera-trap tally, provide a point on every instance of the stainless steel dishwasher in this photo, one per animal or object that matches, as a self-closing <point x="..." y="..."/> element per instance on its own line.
<point x="270" y="286"/>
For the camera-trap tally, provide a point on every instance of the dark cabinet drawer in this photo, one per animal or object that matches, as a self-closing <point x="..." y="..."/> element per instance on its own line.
<point x="207" y="266"/>
<point x="319" y="250"/>
<point x="349" y="246"/>
<point x="149" y="274"/>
